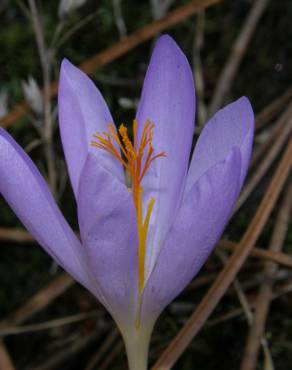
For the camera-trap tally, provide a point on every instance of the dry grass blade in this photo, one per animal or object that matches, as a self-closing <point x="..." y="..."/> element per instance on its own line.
<point x="67" y="320"/>
<point x="38" y="301"/>
<point x="109" y="359"/>
<point x="108" y="343"/>
<point x="266" y="290"/>
<point x="217" y="290"/>
<point x="286" y="121"/>
<point x="263" y="148"/>
<point x="269" y="112"/>
<point x="5" y="360"/>
<point x="238" y="50"/>
<point x="54" y="362"/>
<point x="278" y="257"/>
<point x="243" y="299"/>
<point x="201" y="281"/>
<point x="15" y="235"/>
<point x="120" y="48"/>
<point x="198" y="69"/>
<point x="250" y="283"/>
<point x="284" y="289"/>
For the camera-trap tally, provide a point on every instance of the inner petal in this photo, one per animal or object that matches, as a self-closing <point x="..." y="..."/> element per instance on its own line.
<point x="168" y="99"/>
<point x="136" y="160"/>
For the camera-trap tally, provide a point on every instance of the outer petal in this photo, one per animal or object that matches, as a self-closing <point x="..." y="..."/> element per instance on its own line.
<point x="229" y="127"/>
<point x="82" y="113"/>
<point x="198" y="226"/>
<point x="27" y="194"/>
<point x="108" y="228"/>
<point x="168" y="100"/>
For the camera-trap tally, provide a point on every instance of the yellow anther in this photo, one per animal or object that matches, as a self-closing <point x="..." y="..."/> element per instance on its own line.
<point x="136" y="159"/>
<point x="131" y="155"/>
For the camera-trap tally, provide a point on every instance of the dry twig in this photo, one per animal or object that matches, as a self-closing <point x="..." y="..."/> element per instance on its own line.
<point x="286" y="122"/>
<point x="246" y="308"/>
<point x="280" y="291"/>
<point x="266" y="290"/>
<point x="119" y="19"/>
<point x="121" y="48"/>
<point x="159" y="8"/>
<point x="60" y="357"/>
<point x="108" y="343"/>
<point x="15" y="330"/>
<point x="237" y="53"/>
<point x="109" y="359"/>
<point x="46" y="59"/>
<point x="38" y="301"/>
<point x="17" y="235"/>
<point x="217" y="290"/>
<point x="271" y="110"/>
<point x="277" y="257"/>
<point x="263" y="148"/>
<point x="197" y="68"/>
<point x="5" y="360"/>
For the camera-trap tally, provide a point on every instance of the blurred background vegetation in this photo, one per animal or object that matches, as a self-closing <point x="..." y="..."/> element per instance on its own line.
<point x="78" y="33"/>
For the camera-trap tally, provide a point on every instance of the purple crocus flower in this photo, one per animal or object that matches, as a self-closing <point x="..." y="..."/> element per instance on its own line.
<point x="140" y="246"/>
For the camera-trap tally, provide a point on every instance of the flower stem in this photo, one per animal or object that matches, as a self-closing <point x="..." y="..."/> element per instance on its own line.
<point x="137" y="346"/>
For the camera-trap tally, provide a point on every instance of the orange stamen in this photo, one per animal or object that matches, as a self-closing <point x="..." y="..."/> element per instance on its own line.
<point x="132" y="158"/>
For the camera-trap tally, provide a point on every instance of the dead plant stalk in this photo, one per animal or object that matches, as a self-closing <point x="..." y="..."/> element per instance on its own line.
<point x="120" y="48"/>
<point x="265" y="294"/>
<point x="239" y="48"/>
<point x="235" y="262"/>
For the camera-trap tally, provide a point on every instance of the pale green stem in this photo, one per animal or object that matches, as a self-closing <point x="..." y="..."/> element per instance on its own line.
<point x="137" y="345"/>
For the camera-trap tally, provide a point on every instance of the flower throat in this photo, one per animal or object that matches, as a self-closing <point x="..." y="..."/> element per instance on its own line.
<point x="136" y="159"/>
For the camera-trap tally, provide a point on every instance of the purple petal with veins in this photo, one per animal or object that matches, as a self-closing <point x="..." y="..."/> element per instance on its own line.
<point x="134" y="258"/>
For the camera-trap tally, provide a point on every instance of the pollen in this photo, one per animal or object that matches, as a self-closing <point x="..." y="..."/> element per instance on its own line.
<point x="136" y="160"/>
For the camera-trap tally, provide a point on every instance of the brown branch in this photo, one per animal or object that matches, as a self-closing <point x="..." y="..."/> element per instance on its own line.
<point x="17" y="235"/>
<point x="65" y="354"/>
<point x="198" y="41"/>
<point x="120" y="48"/>
<point x="280" y="291"/>
<point x="38" y="301"/>
<point x="286" y="122"/>
<point x="276" y="257"/>
<point x="109" y="341"/>
<point x="249" y="283"/>
<point x="46" y="325"/>
<point x="262" y="149"/>
<point x="243" y="299"/>
<point x="47" y="130"/>
<point x="266" y="290"/>
<point x="235" y="262"/>
<point x="271" y="110"/>
<point x="109" y="359"/>
<point x="237" y="53"/>
<point x="5" y="360"/>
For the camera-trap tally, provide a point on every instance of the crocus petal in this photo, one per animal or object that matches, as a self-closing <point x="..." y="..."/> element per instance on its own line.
<point x="108" y="228"/>
<point x="198" y="226"/>
<point x="82" y="113"/>
<point x="26" y="192"/>
<point x="168" y="100"/>
<point x="229" y="127"/>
